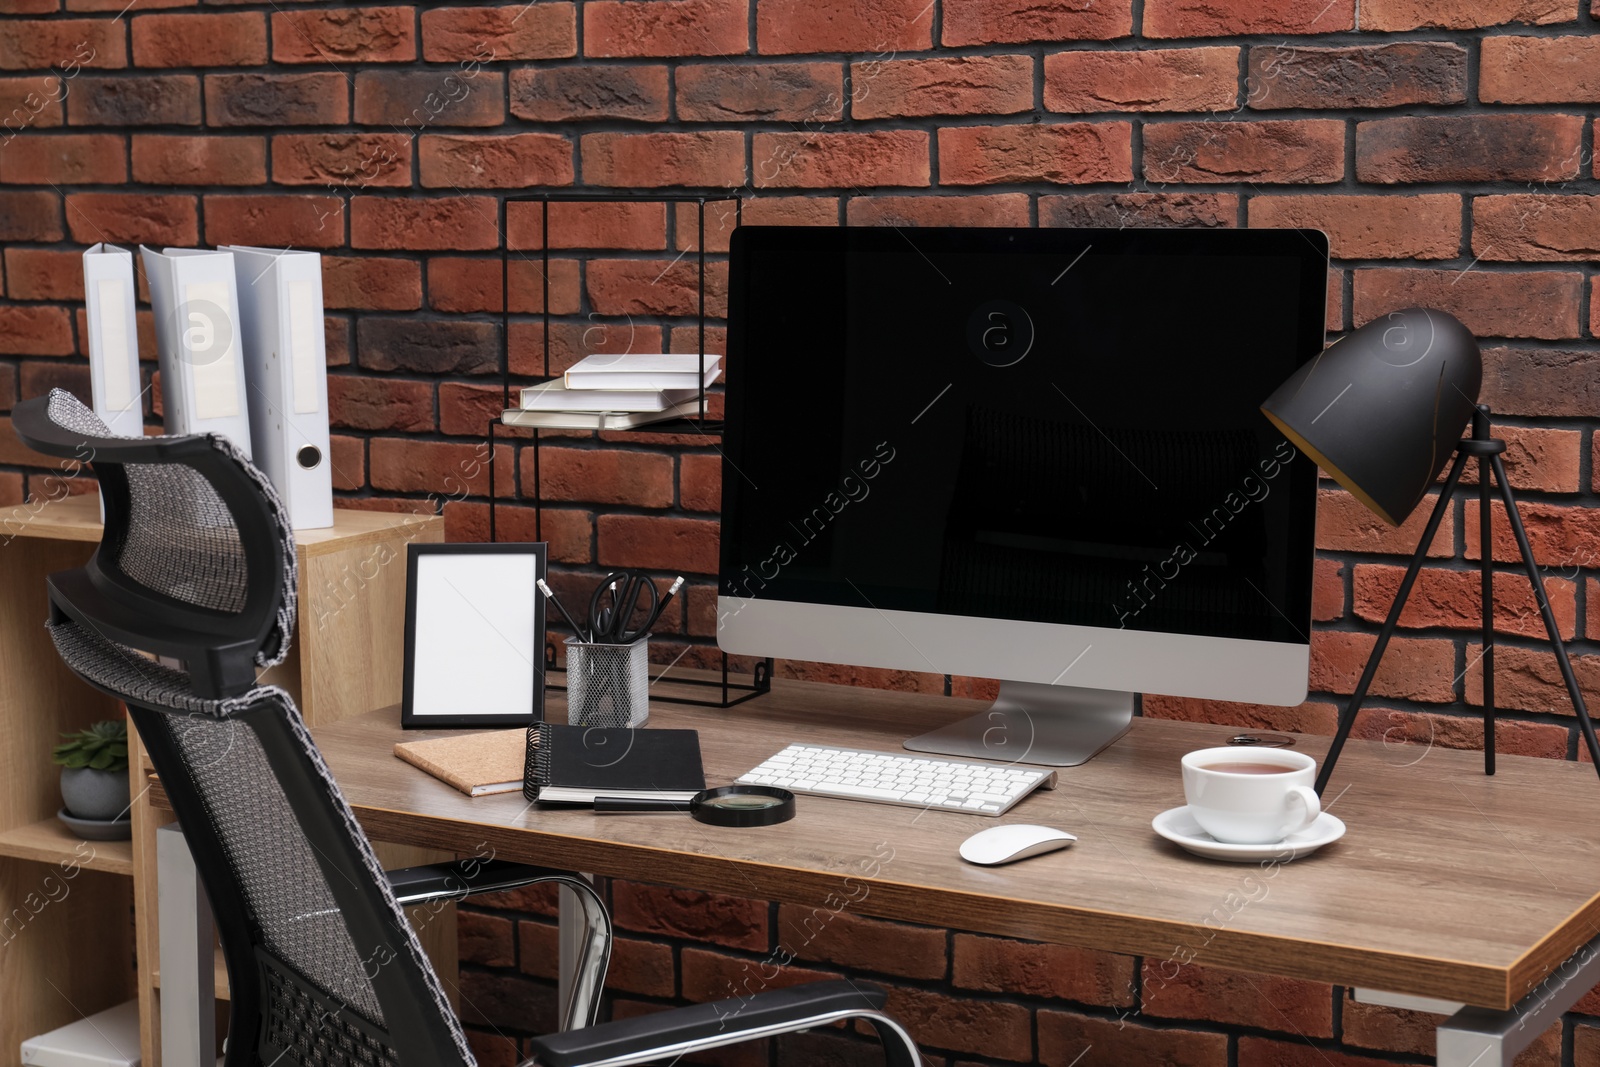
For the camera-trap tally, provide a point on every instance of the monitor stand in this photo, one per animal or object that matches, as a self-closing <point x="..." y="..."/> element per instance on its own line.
<point x="1037" y="723"/>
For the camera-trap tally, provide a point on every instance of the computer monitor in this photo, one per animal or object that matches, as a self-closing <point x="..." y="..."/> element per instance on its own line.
<point x="1035" y="455"/>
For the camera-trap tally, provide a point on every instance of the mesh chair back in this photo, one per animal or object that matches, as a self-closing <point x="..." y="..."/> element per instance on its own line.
<point x="324" y="969"/>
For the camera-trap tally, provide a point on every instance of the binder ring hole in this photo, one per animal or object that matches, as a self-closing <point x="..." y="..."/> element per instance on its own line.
<point x="309" y="456"/>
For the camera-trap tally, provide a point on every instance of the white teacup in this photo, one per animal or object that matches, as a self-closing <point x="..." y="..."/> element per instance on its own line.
<point x="1251" y="796"/>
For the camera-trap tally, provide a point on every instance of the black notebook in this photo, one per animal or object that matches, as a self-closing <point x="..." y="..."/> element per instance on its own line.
<point x="578" y="764"/>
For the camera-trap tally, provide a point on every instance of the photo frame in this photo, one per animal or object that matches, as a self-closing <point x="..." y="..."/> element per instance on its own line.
<point x="475" y="634"/>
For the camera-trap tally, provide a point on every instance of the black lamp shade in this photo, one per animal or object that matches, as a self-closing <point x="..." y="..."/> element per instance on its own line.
<point x="1382" y="409"/>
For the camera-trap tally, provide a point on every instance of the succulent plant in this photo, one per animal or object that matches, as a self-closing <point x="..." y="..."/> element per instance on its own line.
<point x="102" y="747"/>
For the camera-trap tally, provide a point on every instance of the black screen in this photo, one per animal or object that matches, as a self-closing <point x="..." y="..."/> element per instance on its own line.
<point x="1059" y="426"/>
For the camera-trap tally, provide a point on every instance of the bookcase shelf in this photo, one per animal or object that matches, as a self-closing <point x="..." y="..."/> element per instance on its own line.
<point x="48" y="841"/>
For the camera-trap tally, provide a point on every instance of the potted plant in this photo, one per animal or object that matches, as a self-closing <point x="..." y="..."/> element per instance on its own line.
<point x="94" y="776"/>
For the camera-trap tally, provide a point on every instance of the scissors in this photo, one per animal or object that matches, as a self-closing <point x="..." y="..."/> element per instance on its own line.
<point x="610" y="624"/>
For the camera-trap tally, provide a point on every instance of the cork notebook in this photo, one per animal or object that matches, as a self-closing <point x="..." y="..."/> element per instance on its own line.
<point x="477" y="764"/>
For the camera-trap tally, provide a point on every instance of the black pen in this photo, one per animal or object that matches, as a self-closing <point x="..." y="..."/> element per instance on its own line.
<point x="551" y="596"/>
<point x="661" y="605"/>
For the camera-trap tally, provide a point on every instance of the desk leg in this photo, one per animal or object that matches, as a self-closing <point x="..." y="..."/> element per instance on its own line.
<point x="188" y="993"/>
<point x="572" y="932"/>
<point x="1481" y="1037"/>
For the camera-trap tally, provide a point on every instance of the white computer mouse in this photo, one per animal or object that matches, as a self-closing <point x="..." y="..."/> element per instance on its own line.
<point x="1017" y="841"/>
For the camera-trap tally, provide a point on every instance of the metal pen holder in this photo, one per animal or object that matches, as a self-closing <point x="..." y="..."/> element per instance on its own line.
<point x="608" y="685"/>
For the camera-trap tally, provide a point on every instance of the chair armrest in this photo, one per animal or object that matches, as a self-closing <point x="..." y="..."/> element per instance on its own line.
<point x="463" y="878"/>
<point x="666" y="1035"/>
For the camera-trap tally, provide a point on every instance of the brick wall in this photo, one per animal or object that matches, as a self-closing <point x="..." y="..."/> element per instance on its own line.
<point x="1447" y="146"/>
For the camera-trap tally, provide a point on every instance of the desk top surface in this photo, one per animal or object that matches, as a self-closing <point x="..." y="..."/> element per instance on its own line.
<point x="1448" y="883"/>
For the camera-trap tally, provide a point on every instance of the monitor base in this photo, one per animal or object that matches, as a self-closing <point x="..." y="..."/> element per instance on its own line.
<point x="1033" y="722"/>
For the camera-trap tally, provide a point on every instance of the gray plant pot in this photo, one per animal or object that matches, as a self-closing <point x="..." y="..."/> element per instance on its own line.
<point x="92" y="794"/>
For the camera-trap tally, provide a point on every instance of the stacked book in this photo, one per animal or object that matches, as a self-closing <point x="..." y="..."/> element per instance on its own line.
<point x="618" y="392"/>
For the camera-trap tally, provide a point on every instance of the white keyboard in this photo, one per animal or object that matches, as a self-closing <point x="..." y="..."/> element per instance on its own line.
<point x="915" y="781"/>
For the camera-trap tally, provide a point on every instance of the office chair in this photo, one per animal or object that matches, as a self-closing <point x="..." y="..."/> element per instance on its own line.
<point x="197" y="565"/>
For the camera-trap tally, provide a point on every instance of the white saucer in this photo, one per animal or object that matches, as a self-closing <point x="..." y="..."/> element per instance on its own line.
<point x="1178" y="826"/>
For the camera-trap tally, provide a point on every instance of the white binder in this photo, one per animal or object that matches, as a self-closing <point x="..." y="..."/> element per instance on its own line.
<point x="108" y="296"/>
<point x="286" y="370"/>
<point x="196" y="304"/>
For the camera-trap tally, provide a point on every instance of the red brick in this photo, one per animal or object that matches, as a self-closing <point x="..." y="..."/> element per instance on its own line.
<point x="132" y="218"/>
<point x="1346" y="525"/>
<point x="474" y="161"/>
<point x="1159" y="79"/>
<point x="1262" y="1052"/>
<point x="277" y="100"/>
<point x="465" y="285"/>
<point x="1594" y="306"/>
<point x="484" y="939"/>
<point x="336" y="335"/>
<point x="1526" y="227"/>
<point x="1542" y="382"/>
<point x="1298" y="151"/>
<point x="712" y="918"/>
<point x="31" y="102"/>
<point x="714" y="976"/>
<point x="968" y="22"/>
<point x="741" y="92"/>
<point x="40" y="274"/>
<point x="1068" y="153"/>
<point x="1591" y="629"/>
<point x="591" y="91"/>
<point x="567" y="531"/>
<point x="1032" y="969"/>
<point x="159" y="100"/>
<point x="709" y="158"/>
<point x="644" y="967"/>
<point x="465" y="410"/>
<point x="1376" y="1026"/>
<point x="665" y="27"/>
<point x="1408" y="736"/>
<point x="237" y="39"/>
<point x="1468" y="148"/>
<point x="1560" y="535"/>
<point x="1541" y="304"/>
<point x="1215" y="995"/>
<point x="40" y="44"/>
<point x="38" y="378"/>
<point x="1541" y="460"/>
<point x="997" y="209"/>
<point x="1311" y="717"/>
<point x="275" y="221"/>
<point x="1210" y="18"/>
<point x="965" y="1024"/>
<point x="1121" y="210"/>
<point x="29" y="7"/>
<point x="609" y="225"/>
<point x="455" y="223"/>
<point x="422" y="99"/>
<point x="954" y="85"/>
<point x="503" y="1001"/>
<point x="1381" y="75"/>
<point x="700" y="482"/>
<point x="39" y="331"/>
<point x="486" y="34"/>
<point x="348" y="460"/>
<point x="171" y="159"/>
<point x="680" y="546"/>
<point x="64" y="159"/>
<point x="1327" y="590"/>
<point x="840" y="160"/>
<point x="371" y="284"/>
<point x="601" y="476"/>
<point x="571" y="341"/>
<point x="344" y="35"/>
<point x="1380" y="15"/>
<point x="342" y="161"/>
<point x="370" y="403"/>
<point x="448" y="346"/>
<point x="1529" y="680"/>
<point x="118" y="6"/>
<point x="655" y="287"/>
<point x="1413" y="668"/>
<point x="412" y="466"/>
<point x="880" y="26"/>
<point x="1451" y="599"/>
<point x="1539" y="70"/>
<point x="1371" y="227"/>
<point x="848" y="940"/>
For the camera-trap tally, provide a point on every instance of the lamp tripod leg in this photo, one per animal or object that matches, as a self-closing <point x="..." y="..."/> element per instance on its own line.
<point x="1485" y="539"/>
<point x="1347" y="718"/>
<point x="1585" y="724"/>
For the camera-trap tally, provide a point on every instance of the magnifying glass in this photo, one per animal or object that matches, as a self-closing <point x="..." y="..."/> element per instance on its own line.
<point x="726" y="805"/>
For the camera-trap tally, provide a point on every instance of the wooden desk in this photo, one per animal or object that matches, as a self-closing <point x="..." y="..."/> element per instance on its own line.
<point x="1448" y="884"/>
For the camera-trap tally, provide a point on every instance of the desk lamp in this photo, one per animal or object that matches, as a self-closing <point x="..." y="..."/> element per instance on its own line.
<point x="1381" y="411"/>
